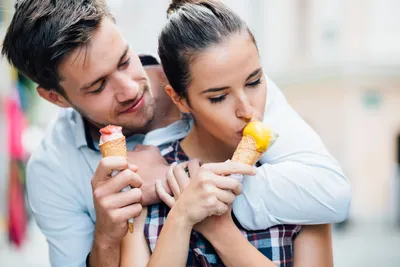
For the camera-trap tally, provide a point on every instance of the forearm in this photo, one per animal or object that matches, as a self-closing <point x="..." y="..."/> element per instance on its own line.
<point x="104" y="255"/>
<point x="299" y="181"/>
<point x="175" y="230"/>
<point x="313" y="247"/>
<point x="134" y="249"/>
<point x="293" y="192"/>
<point x="235" y="250"/>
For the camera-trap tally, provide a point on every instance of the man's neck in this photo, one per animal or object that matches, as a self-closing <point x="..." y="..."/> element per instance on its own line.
<point x="162" y="119"/>
<point x="165" y="117"/>
<point x="201" y="145"/>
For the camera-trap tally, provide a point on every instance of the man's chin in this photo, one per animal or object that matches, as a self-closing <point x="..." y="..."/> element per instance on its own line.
<point x="143" y="127"/>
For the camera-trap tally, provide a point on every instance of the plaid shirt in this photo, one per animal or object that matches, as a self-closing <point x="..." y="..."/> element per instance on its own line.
<point x="276" y="243"/>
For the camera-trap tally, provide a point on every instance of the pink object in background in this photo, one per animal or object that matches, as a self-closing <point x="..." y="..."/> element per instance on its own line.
<point x="15" y="123"/>
<point x="17" y="216"/>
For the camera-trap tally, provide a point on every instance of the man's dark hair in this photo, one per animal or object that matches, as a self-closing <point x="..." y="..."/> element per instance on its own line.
<point x="43" y="33"/>
<point x="148" y="60"/>
<point x="192" y="27"/>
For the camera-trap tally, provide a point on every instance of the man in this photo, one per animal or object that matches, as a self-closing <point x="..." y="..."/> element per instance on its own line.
<point x="74" y="52"/>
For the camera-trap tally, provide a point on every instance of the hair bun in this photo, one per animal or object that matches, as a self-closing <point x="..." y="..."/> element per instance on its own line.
<point x="177" y="4"/>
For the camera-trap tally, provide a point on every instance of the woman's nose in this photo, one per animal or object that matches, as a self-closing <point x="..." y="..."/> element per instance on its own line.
<point x="244" y="110"/>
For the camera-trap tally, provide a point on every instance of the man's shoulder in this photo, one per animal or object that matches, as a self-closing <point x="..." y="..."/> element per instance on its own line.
<point x="58" y="141"/>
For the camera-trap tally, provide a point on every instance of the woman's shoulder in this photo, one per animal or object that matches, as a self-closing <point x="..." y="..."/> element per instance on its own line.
<point x="175" y="153"/>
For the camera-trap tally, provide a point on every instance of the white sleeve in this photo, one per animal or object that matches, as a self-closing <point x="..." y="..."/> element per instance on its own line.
<point x="55" y="204"/>
<point x="299" y="181"/>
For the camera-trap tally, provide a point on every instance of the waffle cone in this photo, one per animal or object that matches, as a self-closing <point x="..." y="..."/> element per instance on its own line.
<point x="246" y="151"/>
<point x="115" y="147"/>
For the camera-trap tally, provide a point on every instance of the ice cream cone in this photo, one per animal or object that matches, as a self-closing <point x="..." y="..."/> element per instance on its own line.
<point x="116" y="147"/>
<point x="246" y="152"/>
<point x="257" y="138"/>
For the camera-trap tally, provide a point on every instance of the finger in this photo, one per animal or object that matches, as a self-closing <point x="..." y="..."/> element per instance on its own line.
<point x="126" y="213"/>
<point x="230" y="167"/>
<point x="172" y="183"/>
<point x="225" y="196"/>
<point x="221" y="208"/>
<point x="163" y="195"/>
<point x="194" y="166"/>
<point x="181" y="176"/>
<point x="133" y="167"/>
<point x="122" y="180"/>
<point x="228" y="183"/>
<point x="122" y="199"/>
<point x="107" y="165"/>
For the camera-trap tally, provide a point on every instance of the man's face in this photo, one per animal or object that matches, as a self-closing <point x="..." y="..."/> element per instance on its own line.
<point x="106" y="83"/>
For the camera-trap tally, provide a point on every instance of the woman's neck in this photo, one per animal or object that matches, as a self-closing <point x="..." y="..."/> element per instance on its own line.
<point x="201" y="145"/>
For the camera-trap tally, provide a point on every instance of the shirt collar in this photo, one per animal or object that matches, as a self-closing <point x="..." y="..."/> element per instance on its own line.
<point x="78" y="128"/>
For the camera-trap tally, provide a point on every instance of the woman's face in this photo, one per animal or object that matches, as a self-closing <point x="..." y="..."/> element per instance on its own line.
<point x="228" y="88"/>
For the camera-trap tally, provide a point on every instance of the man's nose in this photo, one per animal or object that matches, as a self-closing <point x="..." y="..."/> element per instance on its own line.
<point x="126" y="88"/>
<point x="244" y="108"/>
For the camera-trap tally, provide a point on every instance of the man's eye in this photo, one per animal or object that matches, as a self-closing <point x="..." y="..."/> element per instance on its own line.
<point x="255" y="83"/>
<point x="98" y="90"/>
<point x="217" y="99"/>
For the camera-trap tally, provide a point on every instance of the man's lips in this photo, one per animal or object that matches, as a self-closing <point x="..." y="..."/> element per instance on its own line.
<point x="135" y="106"/>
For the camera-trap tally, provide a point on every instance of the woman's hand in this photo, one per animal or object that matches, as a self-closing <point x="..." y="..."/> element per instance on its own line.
<point x="207" y="192"/>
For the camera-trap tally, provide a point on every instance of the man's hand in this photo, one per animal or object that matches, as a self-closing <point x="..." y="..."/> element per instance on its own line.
<point x="115" y="208"/>
<point x="151" y="167"/>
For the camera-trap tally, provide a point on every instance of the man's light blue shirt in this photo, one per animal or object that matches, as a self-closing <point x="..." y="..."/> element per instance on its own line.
<point x="298" y="183"/>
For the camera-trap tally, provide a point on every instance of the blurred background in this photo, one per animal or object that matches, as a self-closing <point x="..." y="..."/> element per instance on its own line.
<point x="338" y="63"/>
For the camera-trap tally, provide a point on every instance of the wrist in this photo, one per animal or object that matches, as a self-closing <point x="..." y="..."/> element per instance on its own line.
<point x="179" y="218"/>
<point x="103" y="242"/>
<point x="218" y="230"/>
<point x="104" y="252"/>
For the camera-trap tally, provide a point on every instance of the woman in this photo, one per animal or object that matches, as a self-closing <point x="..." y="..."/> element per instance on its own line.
<point x="212" y="63"/>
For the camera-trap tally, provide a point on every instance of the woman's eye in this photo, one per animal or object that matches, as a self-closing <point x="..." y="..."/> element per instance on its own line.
<point x="255" y="83"/>
<point x="217" y="99"/>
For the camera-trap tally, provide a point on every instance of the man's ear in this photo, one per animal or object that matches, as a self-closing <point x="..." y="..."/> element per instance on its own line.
<point x="53" y="97"/>
<point x="180" y="102"/>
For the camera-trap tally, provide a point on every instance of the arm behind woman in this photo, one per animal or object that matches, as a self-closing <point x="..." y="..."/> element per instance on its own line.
<point x="313" y="247"/>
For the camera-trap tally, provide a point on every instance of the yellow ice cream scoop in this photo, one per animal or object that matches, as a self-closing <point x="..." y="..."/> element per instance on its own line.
<point x="257" y="138"/>
<point x="263" y="136"/>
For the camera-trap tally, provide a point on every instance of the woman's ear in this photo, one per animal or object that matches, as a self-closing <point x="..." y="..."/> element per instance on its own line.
<point x="53" y="97"/>
<point x="179" y="101"/>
